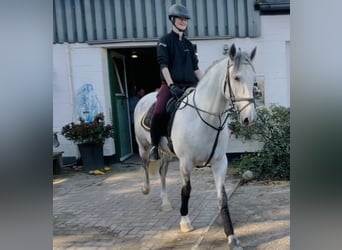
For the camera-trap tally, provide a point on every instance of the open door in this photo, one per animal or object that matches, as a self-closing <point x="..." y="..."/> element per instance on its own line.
<point x="120" y="108"/>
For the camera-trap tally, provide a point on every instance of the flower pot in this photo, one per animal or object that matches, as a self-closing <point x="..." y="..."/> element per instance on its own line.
<point x="92" y="156"/>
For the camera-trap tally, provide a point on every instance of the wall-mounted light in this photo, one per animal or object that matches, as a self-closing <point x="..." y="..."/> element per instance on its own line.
<point x="134" y="54"/>
<point x="225" y="49"/>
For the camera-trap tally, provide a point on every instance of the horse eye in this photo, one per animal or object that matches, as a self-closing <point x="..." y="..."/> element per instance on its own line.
<point x="237" y="78"/>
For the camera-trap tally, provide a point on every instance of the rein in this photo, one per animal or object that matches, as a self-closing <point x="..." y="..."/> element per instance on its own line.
<point x="229" y="111"/>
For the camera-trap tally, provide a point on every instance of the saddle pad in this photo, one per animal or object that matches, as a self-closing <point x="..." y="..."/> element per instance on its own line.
<point x="147" y="118"/>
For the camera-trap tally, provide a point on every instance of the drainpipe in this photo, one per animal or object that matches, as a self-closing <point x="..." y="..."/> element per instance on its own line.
<point x="71" y="91"/>
<point x="70" y="80"/>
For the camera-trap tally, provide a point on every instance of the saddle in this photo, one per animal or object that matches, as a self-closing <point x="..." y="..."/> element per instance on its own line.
<point x="171" y="108"/>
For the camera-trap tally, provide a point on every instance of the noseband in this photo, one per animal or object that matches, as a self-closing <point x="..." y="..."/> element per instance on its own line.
<point x="234" y="99"/>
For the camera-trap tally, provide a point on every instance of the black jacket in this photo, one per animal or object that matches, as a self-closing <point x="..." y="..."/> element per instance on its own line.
<point x="179" y="56"/>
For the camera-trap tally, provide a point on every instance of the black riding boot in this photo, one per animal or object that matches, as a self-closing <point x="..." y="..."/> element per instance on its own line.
<point x="155" y="138"/>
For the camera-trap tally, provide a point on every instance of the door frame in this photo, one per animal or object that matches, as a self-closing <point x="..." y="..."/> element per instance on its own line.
<point x="114" y="97"/>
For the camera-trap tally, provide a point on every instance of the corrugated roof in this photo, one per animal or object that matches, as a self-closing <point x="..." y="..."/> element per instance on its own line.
<point x="97" y="21"/>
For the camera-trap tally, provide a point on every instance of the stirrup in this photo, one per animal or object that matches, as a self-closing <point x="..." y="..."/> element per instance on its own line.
<point x="154" y="154"/>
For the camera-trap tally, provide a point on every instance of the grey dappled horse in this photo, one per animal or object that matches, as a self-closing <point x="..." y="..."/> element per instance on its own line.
<point x="199" y="133"/>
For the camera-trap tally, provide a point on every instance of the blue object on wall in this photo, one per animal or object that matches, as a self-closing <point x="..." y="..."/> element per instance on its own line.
<point x="87" y="103"/>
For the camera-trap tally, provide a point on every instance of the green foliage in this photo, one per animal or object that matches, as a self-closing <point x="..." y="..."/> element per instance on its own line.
<point x="272" y="127"/>
<point x="88" y="132"/>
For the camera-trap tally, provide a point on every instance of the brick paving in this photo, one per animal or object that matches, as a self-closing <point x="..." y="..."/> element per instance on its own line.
<point x="261" y="216"/>
<point x="110" y="212"/>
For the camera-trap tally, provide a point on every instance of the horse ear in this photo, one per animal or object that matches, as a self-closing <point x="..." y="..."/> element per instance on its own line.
<point x="253" y="53"/>
<point x="232" y="51"/>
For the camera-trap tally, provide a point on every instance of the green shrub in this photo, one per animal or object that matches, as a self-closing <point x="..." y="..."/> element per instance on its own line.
<point x="272" y="127"/>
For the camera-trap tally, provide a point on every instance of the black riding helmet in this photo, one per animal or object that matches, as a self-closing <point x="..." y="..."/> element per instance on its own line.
<point x="178" y="10"/>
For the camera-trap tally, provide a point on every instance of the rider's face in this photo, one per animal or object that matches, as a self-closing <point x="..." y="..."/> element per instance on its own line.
<point x="181" y="22"/>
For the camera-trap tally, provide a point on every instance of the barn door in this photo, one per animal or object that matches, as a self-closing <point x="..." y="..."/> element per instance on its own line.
<point x="119" y="99"/>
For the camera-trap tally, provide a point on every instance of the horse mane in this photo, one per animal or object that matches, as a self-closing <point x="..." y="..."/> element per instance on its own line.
<point x="240" y="58"/>
<point x="213" y="64"/>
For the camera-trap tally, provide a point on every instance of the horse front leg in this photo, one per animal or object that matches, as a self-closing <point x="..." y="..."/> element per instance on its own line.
<point x="219" y="171"/>
<point x="185" y="223"/>
<point x="166" y="205"/>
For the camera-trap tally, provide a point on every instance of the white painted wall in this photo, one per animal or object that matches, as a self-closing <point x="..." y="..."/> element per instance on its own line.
<point x="271" y="61"/>
<point x="76" y="64"/>
<point x="73" y="66"/>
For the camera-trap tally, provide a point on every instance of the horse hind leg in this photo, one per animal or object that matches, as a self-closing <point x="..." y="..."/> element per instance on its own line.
<point x="166" y="205"/>
<point x="144" y="163"/>
<point x="153" y="166"/>
<point x="146" y="188"/>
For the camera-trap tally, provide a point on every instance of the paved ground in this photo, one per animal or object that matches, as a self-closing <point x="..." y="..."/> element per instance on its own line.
<point x="110" y="212"/>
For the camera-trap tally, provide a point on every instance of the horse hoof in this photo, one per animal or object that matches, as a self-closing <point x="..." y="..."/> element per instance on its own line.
<point x="145" y="190"/>
<point x="185" y="227"/>
<point x="235" y="247"/>
<point x="234" y="244"/>
<point x="166" y="208"/>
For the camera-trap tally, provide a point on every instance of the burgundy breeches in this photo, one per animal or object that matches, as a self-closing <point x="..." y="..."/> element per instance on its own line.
<point x="162" y="97"/>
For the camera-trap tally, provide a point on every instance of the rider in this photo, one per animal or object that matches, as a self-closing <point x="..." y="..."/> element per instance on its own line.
<point x="178" y="68"/>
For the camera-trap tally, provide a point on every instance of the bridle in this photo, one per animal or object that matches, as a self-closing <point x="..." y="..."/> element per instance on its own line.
<point x="232" y="98"/>
<point x="220" y="116"/>
<point x="230" y="110"/>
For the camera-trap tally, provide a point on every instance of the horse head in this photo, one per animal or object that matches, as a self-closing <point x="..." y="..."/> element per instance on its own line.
<point x="239" y="82"/>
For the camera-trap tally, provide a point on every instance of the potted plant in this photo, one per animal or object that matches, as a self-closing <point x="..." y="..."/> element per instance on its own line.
<point x="89" y="137"/>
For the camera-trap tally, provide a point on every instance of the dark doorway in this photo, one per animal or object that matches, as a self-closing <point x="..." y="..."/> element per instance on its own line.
<point x="142" y="71"/>
<point x="142" y="68"/>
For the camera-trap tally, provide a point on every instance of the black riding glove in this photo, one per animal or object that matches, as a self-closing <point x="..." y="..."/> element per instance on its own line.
<point x="176" y="91"/>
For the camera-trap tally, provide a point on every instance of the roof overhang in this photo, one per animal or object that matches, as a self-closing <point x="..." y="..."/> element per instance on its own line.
<point x="272" y="7"/>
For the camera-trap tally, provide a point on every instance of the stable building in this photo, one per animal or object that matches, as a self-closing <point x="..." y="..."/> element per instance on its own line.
<point x="104" y="50"/>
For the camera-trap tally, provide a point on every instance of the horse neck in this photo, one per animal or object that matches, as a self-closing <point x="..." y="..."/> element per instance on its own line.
<point x="209" y="93"/>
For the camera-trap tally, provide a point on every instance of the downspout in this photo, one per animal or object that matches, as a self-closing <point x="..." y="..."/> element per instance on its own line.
<point x="71" y="91"/>
<point x="70" y="80"/>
